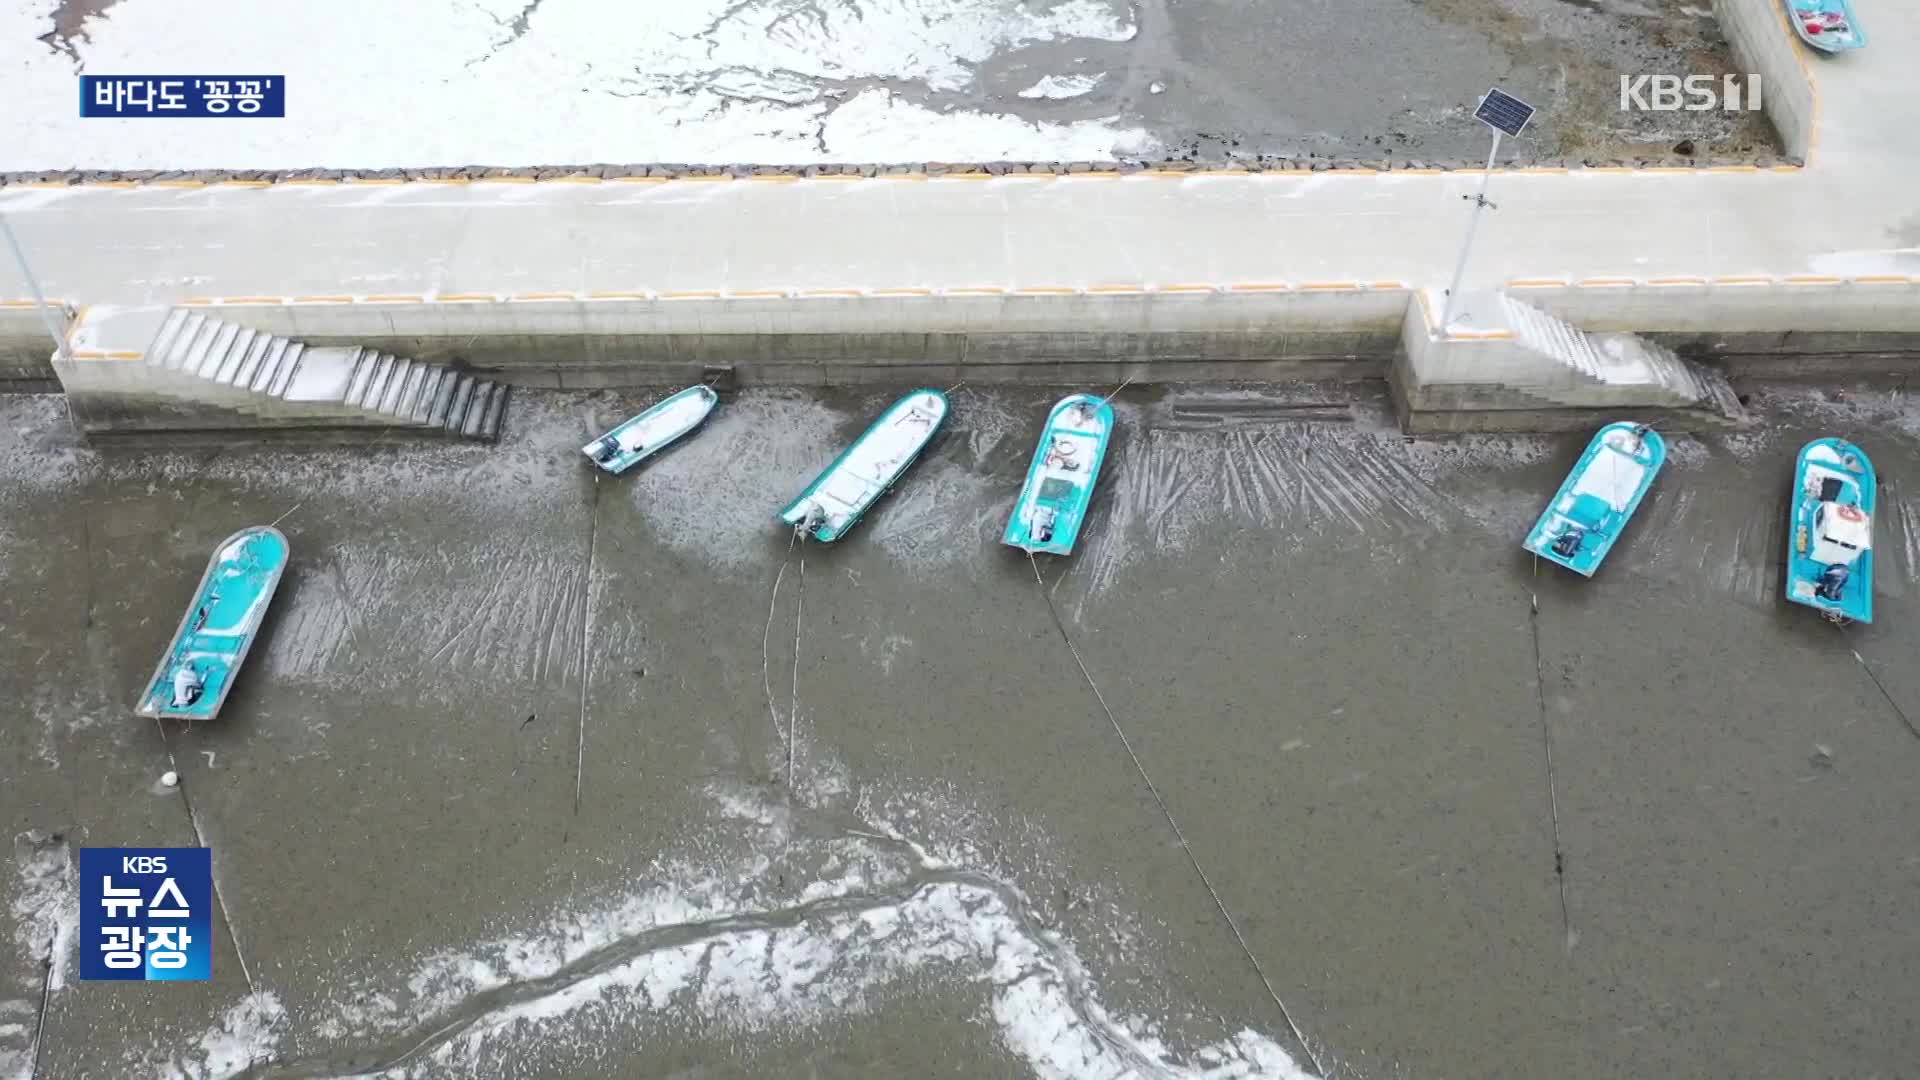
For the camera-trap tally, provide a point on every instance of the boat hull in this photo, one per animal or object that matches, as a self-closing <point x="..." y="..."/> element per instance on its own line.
<point x="1854" y="484"/>
<point x="652" y="431"/>
<point x="219" y="627"/>
<point x="1060" y="482"/>
<point x="836" y="499"/>
<point x="1827" y="25"/>
<point x="1598" y="497"/>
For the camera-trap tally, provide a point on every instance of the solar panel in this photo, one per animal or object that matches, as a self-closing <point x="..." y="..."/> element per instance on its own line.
<point x="1503" y="112"/>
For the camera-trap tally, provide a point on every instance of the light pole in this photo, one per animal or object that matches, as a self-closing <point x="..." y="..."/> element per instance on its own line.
<point x="1505" y="115"/>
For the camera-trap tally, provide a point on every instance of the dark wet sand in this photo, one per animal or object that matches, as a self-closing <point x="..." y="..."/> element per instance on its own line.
<point x="1317" y="634"/>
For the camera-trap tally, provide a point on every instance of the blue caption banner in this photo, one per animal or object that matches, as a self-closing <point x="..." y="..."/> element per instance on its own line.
<point x="146" y="913"/>
<point x="183" y="95"/>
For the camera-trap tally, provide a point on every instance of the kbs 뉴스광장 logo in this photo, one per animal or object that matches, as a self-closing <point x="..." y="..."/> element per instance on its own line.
<point x="146" y="913"/>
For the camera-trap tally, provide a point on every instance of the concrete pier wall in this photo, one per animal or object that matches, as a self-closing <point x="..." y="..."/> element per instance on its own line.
<point x="1764" y="44"/>
<point x="26" y="356"/>
<point x="1825" y="326"/>
<point x="1063" y="337"/>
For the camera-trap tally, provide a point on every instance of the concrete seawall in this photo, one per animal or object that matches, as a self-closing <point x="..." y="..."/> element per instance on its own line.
<point x="843" y="337"/>
<point x="1078" y="337"/>
<point x="1764" y="44"/>
<point x="26" y="365"/>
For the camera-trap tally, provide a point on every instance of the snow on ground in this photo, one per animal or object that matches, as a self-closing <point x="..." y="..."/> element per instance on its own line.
<point x="723" y="945"/>
<point x="45" y="917"/>
<point x="502" y="82"/>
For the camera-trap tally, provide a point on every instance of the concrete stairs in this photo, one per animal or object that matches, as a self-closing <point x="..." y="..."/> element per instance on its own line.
<point x="1601" y="369"/>
<point x="288" y="382"/>
<point x="1525" y="369"/>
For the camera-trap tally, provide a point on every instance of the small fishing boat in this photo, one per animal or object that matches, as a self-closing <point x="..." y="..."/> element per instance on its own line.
<point x="1827" y="25"/>
<point x="645" y="435"/>
<point x="1599" y="496"/>
<point x="1830" y="531"/>
<point x="194" y="677"/>
<point x="1060" y="481"/>
<point x="863" y="472"/>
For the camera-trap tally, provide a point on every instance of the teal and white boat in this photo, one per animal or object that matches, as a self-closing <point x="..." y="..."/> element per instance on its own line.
<point x="1598" y="497"/>
<point x="1827" y="25"/>
<point x="1060" y="481"/>
<point x="1830" y="546"/>
<point x="833" y="503"/>
<point x="650" y="432"/>
<point x="194" y="677"/>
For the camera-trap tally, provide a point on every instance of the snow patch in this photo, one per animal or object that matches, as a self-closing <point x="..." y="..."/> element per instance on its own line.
<point x="1056" y="87"/>
<point x="787" y="81"/>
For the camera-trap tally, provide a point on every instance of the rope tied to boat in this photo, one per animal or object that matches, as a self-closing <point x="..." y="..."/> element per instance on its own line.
<point x="1167" y="812"/>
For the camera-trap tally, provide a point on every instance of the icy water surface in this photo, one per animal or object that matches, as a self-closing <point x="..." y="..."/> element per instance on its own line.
<point x="505" y="790"/>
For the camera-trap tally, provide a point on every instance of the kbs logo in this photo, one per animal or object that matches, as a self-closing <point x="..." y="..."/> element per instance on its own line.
<point x="146" y="913"/>
<point x="1663" y="93"/>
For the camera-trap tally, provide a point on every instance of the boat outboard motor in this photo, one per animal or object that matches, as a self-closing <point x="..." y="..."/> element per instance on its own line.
<point x="815" y="519"/>
<point x="1567" y="544"/>
<point x="606" y="450"/>
<point x="1831" y="582"/>
<point x="186" y="686"/>
<point x="1043" y="526"/>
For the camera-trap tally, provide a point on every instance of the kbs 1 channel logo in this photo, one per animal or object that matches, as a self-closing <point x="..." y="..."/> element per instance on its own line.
<point x="232" y="96"/>
<point x="146" y="913"/>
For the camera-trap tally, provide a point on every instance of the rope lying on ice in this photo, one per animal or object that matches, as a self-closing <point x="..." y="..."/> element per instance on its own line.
<point x="1166" y="812"/>
<point x="766" y="637"/>
<point x="793" y="701"/>
<point x="1546" y="739"/>
<point x="1891" y="704"/>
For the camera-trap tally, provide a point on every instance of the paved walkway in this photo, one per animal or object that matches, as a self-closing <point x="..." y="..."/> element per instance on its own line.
<point x="1853" y="211"/>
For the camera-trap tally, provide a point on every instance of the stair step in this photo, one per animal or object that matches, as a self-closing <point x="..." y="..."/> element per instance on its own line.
<point x="363" y="364"/>
<point x="207" y="360"/>
<point x="409" y="396"/>
<point x="380" y="369"/>
<point x="449" y="392"/>
<point x="177" y="319"/>
<point x="493" y="419"/>
<point x="462" y="400"/>
<point x="289" y="367"/>
<point x="269" y="365"/>
<point x="429" y="391"/>
<point x="240" y="371"/>
<point x="476" y="409"/>
<point x="184" y="356"/>
<point x="235" y="354"/>
<point x="389" y="403"/>
<point x="250" y="363"/>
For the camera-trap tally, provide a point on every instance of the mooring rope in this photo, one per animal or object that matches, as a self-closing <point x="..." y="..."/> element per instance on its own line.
<point x="1546" y="740"/>
<point x="793" y="701"/>
<point x="1891" y="704"/>
<point x="1167" y="812"/>
<point x="766" y="635"/>
<point x="1124" y="383"/>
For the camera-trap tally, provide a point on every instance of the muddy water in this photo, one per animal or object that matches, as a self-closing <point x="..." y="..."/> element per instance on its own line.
<point x="1318" y="636"/>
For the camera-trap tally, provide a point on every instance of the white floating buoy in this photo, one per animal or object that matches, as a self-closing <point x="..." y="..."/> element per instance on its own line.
<point x="169" y="778"/>
<point x="1156" y="88"/>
